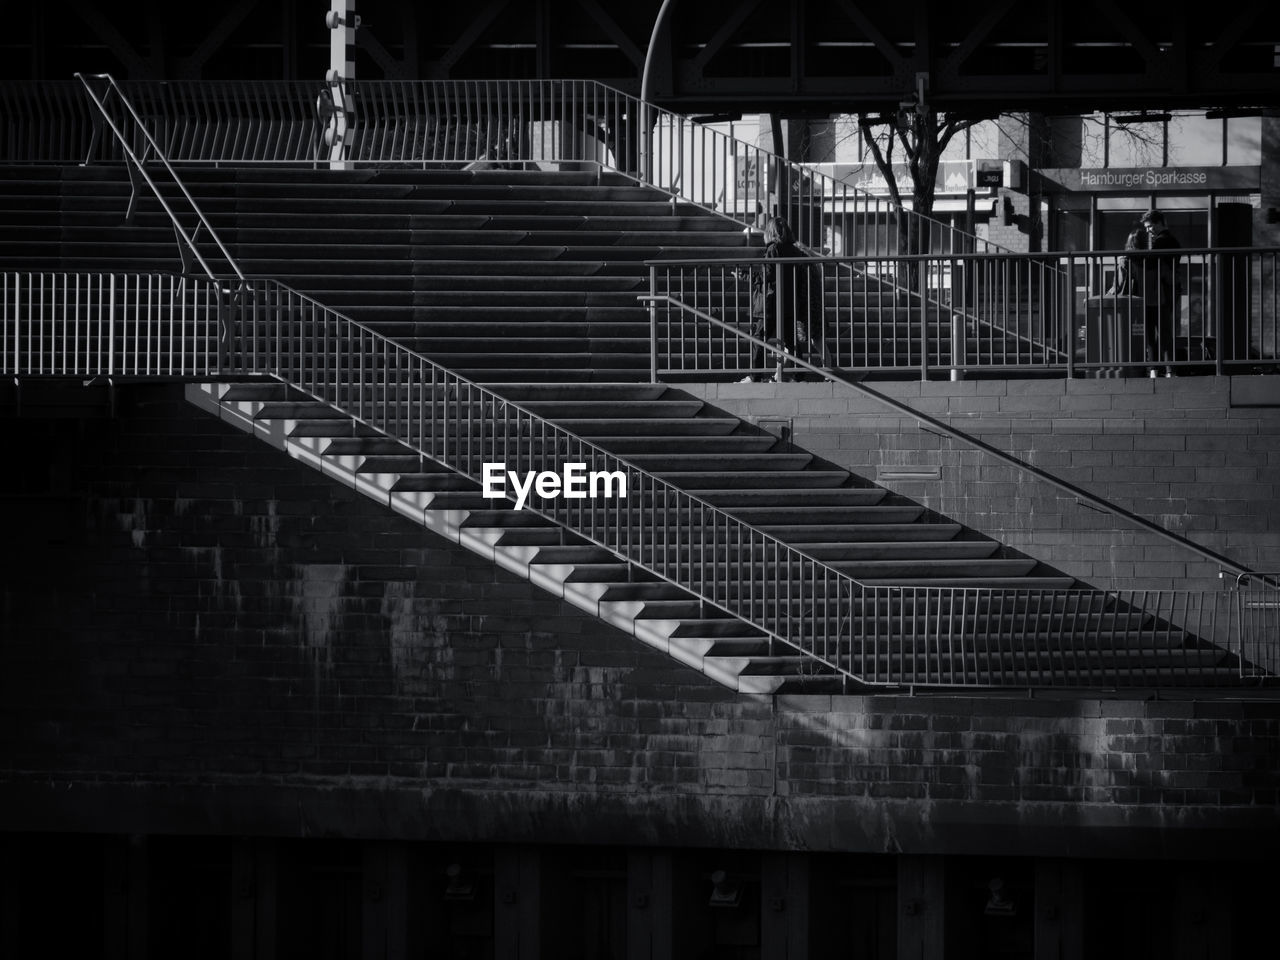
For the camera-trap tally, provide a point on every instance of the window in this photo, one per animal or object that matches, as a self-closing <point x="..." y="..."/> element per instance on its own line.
<point x="1244" y="141"/>
<point x="1195" y="140"/>
<point x="1135" y="144"/>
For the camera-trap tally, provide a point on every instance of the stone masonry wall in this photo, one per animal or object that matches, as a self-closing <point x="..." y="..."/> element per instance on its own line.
<point x="1199" y="456"/>
<point x="201" y="636"/>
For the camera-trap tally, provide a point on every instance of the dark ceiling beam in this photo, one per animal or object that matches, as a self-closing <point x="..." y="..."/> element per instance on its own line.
<point x="484" y="18"/>
<point x="190" y="67"/>
<point x="1157" y="63"/>
<point x="869" y="30"/>
<point x="952" y="62"/>
<point x="724" y="33"/>
<point x="137" y="66"/>
<point x="409" y="29"/>
<point x="392" y="69"/>
<point x="613" y="32"/>
<point x="1233" y="32"/>
<point x="797" y="46"/>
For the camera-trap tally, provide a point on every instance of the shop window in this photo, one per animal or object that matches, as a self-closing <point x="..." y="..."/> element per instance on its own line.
<point x="1139" y="144"/>
<point x="1244" y="141"/>
<point x="1195" y="140"/>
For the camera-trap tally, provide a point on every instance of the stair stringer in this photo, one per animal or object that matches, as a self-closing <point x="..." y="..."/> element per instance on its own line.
<point x="660" y="633"/>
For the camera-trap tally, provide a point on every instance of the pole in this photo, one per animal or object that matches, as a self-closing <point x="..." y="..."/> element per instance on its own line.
<point x="646" y="79"/>
<point x="342" y="21"/>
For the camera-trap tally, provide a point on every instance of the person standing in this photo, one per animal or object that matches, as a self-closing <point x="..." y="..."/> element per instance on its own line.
<point x="1160" y="292"/>
<point x="1126" y="268"/>
<point x="786" y="294"/>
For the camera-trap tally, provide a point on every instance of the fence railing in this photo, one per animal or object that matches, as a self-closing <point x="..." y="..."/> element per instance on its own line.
<point x="88" y="325"/>
<point x="783" y="362"/>
<point x="1212" y="310"/>
<point x="1258" y="597"/>
<point x="499" y="122"/>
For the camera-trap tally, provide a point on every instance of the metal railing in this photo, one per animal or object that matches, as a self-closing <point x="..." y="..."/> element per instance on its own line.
<point x="873" y="635"/>
<point x="460" y="122"/>
<point x="144" y="156"/>
<point x="1258" y="597"/>
<point x="1206" y="310"/>
<point x="785" y="362"/>
<point x="87" y="325"/>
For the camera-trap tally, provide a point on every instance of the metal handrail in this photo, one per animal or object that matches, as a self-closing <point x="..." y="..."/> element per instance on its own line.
<point x="119" y="326"/>
<point x="998" y="312"/>
<point x="946" y="429"/>
<point x="152" y="150"/>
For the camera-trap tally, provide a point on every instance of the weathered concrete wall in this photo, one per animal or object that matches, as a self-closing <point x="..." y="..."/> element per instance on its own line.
<point x="202" y="636"/>
<point x="1199" y="456"/>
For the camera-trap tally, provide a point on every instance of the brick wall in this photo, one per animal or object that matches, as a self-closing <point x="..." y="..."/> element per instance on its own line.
<point x="202" y="636"/>
<point x="1199" y="456"/>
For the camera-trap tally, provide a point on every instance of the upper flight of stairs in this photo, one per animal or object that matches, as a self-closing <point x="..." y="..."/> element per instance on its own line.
<point x="502" y="276"/>
<point x="497" y="275"/>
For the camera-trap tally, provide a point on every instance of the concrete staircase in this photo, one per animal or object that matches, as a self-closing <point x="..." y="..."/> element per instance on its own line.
<point x="528" y="281"/>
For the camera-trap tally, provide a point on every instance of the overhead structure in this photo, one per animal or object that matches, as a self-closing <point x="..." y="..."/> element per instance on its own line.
<point x="788" y="56"/>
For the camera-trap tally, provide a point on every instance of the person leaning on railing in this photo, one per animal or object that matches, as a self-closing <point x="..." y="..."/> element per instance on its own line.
<point x="1126" y="270"/>
<point x="785" y="293"/>
<point x="1160" y="290"/>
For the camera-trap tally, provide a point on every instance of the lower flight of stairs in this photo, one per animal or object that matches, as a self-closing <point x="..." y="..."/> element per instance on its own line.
<point x="591" y="578"/>
<point x="956" y="585"/>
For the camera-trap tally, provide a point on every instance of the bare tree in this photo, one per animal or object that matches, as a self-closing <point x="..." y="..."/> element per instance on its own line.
<point x="922" y="135"/>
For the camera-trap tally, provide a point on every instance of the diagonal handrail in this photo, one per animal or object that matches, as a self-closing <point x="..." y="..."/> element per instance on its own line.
<point x="138" y="164"/>
<point x="961" y="436"/>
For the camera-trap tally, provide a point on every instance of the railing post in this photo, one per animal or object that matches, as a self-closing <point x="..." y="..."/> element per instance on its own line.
<point x="922" y="275"/>
<point x="111" y="326"/>
<point x="653" y="325"/>
<point x="1219" y="341"/>
<point x="1067" y="304"/>
<point x="779" y="357"/>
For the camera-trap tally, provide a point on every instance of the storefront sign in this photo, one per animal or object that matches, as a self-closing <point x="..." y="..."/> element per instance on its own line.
<point x="954" y="176"/>
<point x="1153" y="179"/>
<point x="990" y="176"/>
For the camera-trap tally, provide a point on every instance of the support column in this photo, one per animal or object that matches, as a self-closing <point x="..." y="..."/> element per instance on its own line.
<point x="921" y="908"/>
<point x="1059" y="906"/>
<point x="253" y="899"/>
<point x="517" y="903"/>
<point x="784" y="907"/>
<point x="125" y="893"/>
<point x="386" y="901"/>
<point x="1203" y="912"/>
<point x="649" y="905"/>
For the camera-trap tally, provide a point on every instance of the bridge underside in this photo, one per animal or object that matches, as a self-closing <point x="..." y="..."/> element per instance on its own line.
<point x="720" y="56"/>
